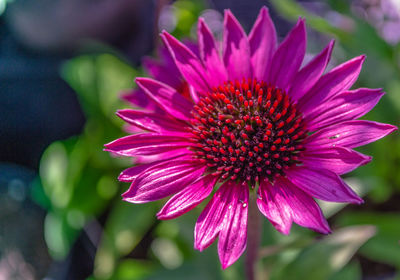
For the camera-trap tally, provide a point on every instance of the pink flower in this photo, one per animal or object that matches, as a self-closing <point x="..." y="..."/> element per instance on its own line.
<point x="254" y="121"/>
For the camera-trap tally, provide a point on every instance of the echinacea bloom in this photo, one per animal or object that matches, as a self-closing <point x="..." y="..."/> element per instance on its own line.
<point x="255" y="121"/>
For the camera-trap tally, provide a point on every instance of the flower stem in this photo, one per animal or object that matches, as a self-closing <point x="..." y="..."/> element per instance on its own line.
<point x="253" y="236"/>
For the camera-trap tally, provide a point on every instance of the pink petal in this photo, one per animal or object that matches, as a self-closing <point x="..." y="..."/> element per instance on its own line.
<point x="187" y="62"/>
<point x="350" y="134"/>
<point x="167" y="74"/>
<point x="151" y="121"/>
<point x="262" y="40"/>
<point x="210" y="55"/>
<point x="147" y="144"/>
<point x="130" y="174"/>
<point x="283" y="203"/>
<point x="233" y="234"/>
<point x="163" y="179"/>
<point x="211" y="218"/>
<point x="288" y="57"/>
<point x="166" y="97"/>
<point x="138" y="98"/>
<point x="337" y="80"/>
<point x="322" y="184"/>
<point x="310" y="73"/>
<point x="236" y="49"/>
<point x="163" y="156"/>
<point x="188" y="198"/>
<point x="348" y="105"/>
<point x="336" y="159"/>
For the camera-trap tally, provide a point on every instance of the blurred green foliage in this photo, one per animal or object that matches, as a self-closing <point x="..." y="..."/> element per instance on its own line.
<point x="78" y="184"/>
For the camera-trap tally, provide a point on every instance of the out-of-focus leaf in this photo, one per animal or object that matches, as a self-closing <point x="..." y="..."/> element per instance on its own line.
<point x="294" y="10"/>
<point x="126" y="225"/>
<point x="167" y="253"/>
<point x="99" y="80"/>
<point x="186" y="13"/>
<point x="58" y="235"/>
<point x="359" y="36"/>
<point x="132" y="270"/>
<point x="384" y="246"/>
<point x="352" y="271"/>
<point x="328" y="256"/>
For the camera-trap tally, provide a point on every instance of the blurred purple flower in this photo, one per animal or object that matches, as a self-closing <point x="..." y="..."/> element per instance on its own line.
<point x="251" y="121"/>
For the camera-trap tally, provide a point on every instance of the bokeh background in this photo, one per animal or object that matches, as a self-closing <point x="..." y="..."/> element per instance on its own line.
<point x="63" y="67"/>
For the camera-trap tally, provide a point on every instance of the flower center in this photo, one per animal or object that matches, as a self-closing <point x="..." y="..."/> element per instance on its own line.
<point x="248" y="131"/>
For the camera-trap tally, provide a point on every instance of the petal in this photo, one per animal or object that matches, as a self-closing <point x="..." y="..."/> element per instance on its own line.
<point x="348" y="105"/>
<point x="209" y="223"/>
<point x="310" y="73"/>
<point x="350" y="134"/>
<point x="167" y="98"/>
<point x="233" y="235"/>
<point x="236" y="49"/>
<point x="163" y="179"/>
<point x="188" y="198"/>
<point x="262" y="40"/>
<point x="130" y="174"/>
<point x="339" y="79"/>
<point x="167" y="74"/>
<point x="163" y="156"/>
<point x="283" y="203"/>
<point x="272" y="204"/>
<point x="138" y="98"/>
<point x="210" y="55"/>
<point x="147" y="144"/>
<point x="288" y="57"/>
<point x="187" y="62"/>
<point x="336" y="159"/>
<point x="322" y="184"/>
<point x="151" y="121"/>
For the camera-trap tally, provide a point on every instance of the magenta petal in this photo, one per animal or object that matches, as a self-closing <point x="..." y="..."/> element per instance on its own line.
<point x="350" y="134"/>
<point x="211" y="219"/>
<point x="322" y="184"/>
<point x="236" y="49"/>
<point x="167" y="74"/>
<point x="283" y="203"/>
<point x="187" y="62"/>
<point x="339" y="79"/>
<point x="138" y="98"/>
<point x="233" y="234"/>
<point x="147" y="144"/>
<point x="288" y="57"/>
<point x="163" y="179"/>
<point x="348" y="105"/>
<point x="336" y="159"/>
<point x="164" y="156"/>
<point x="151" y="121"/>
<point x="166" y="97"/>
<point x="310" y="73"/>
<point x="130" y="174"/>
<point x="272" y="204"/>
<point x="210" y="55"/>
<point x="188" y="198"/>
<point x="262" y="40"/>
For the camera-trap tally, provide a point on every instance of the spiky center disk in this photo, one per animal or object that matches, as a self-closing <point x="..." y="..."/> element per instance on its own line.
<point x="248" y="131"/>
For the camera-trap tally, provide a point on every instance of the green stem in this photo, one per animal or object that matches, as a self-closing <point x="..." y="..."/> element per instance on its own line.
<point x="253" y="236"/>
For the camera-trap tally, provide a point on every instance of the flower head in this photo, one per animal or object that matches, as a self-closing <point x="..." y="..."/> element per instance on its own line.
<point x="254" y="121"/>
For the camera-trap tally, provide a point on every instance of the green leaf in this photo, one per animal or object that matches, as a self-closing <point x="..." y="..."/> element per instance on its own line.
<point x="126" y="226"/>
<point x="326" y="257"/>
<point x="384" y="246"/>
<point x="133" y="270"/>
<point x="352" y="271"/>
